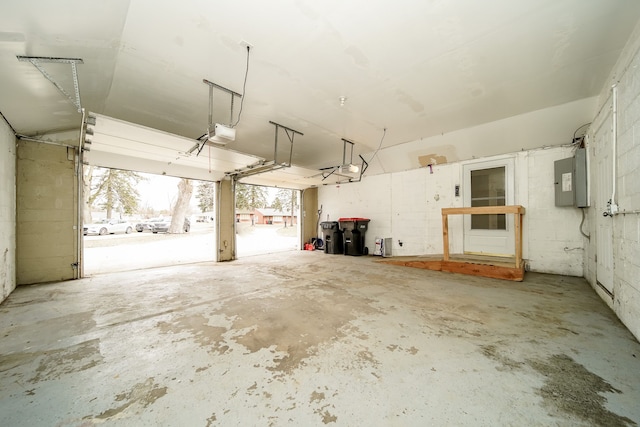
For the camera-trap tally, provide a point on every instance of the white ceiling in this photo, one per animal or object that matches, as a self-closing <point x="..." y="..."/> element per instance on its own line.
<point x="416" y="68"/>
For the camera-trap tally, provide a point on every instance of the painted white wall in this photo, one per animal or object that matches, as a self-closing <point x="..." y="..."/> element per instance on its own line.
<point x="552" y="126"/>
<point x="626" y="228"/>
<point x="7" y="210"/>
<point x="405" y="204"/>
<point x="407" y="207"/>
<point x="553" y="242"/>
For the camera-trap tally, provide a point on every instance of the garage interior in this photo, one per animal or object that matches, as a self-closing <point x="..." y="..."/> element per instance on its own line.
<point x="397" y="113"/>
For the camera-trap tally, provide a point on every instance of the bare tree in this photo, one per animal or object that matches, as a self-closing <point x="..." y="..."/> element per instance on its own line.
<point x="185" y="190"/>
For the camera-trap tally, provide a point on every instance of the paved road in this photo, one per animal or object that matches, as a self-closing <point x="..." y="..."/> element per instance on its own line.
<point x="123" y="252"/>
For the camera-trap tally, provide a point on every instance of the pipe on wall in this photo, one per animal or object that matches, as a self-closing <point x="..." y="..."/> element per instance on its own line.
<point x="217" y="212"/>
<point x="234" y="182"/>
<point x="80" y="202"/>
<point x="614" y="143"/>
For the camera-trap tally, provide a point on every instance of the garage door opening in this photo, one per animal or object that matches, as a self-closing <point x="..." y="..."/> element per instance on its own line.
<point x="136" y="220"/>
<point x="267" y="220"/>
<point x="115" y="143"/>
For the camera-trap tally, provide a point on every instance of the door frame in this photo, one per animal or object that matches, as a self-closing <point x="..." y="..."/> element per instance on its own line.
<point x="603" y="140"/>
<point x="475" y="241"/>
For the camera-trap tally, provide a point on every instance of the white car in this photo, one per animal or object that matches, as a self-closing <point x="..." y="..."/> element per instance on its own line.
<point x="108" y="226"/>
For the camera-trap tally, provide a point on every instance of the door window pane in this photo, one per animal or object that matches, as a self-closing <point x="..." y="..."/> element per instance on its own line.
<point x="488" y="188"/>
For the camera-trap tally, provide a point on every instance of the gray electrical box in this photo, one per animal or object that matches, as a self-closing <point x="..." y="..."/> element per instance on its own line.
<point x="570" y="180"/>
<point x="580" y="174"/>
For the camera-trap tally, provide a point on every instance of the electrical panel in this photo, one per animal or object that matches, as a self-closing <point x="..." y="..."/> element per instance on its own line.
<point x="570" y="180"/>
<point x="580" y="173"/>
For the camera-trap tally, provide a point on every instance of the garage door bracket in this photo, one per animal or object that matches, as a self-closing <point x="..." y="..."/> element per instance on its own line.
<point x="37" y="62"/>
<point x="345" y="170"/>
<point x="268" y="166"/>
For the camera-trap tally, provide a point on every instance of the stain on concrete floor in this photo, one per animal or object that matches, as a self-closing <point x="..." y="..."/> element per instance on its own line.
<point x="313" y="339"/>
<point x="569" y="387"/>
<point x="137" y="399"/>
<point x="291" y="326"/>
<point x="505" y="362"/>
<point x="54" y="364"/>
<point x="197" y="326"/>
<point x="572" y="389"/>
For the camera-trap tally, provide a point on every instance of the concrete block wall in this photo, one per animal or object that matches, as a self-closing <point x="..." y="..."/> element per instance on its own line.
<point x="625" y="300"/>
<point x="7" y="210"/>
<point x="399" y="205"/>
<point x="407" y="207"/>
<point x="46" y="207"/>
<point x="553" y="240"/>
<point x="368" y="199"/>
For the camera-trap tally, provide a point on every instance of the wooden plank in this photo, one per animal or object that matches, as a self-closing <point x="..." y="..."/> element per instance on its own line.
<point x="474" y="259"/>
<point x="426" y="265"/>
<point x="445" y="235"/>
<point x="517" y="220"/>
<point x="483" y="259"/>
<point x="484" y="210"/>
<point x="491" y="271"/>
<point x="484" y="268"/>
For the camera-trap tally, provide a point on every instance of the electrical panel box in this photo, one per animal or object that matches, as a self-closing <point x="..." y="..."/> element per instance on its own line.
<point x="580" y="174"/>
<point x="570" y="180"/>
<point x="563" y="181"/>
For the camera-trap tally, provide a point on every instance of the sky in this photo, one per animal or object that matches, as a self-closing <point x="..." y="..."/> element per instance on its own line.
<point x="160" y="192"/>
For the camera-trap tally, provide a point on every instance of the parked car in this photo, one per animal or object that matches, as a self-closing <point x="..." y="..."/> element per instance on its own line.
<point x="108" y="226"/>
<point x="147" y="225"/>
<point x="163" y="226"/>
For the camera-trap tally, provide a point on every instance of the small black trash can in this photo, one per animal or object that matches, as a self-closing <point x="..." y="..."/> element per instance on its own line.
<point x="332" y="237"/>
<point x="354" y="230"/>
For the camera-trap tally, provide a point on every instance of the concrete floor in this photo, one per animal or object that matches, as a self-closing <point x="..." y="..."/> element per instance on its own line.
<point x="304" y="338"/>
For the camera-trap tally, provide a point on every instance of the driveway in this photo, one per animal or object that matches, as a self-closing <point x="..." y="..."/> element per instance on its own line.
<point x="123" y="252"/>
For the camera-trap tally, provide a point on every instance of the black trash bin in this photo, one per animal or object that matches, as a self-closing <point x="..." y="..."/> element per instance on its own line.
<point x="332" y="237"/>
<point x="354" y="230"/>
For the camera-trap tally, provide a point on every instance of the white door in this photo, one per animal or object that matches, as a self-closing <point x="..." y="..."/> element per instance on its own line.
<point x="489" y="183"/>
<point x="604" y="226"/>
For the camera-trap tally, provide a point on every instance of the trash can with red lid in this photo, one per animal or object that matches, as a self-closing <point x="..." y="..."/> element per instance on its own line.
<point x="353" y="232"/>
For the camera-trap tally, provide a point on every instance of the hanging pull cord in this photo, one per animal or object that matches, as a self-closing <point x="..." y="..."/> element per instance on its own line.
<point x="244" y="87"/>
